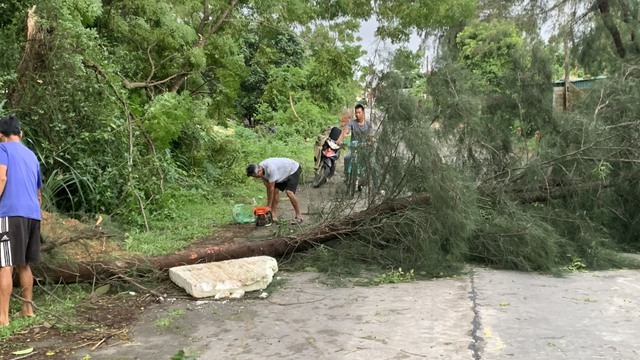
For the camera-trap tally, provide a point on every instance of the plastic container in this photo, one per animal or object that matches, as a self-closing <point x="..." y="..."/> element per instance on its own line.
<point x="243" y="213"/>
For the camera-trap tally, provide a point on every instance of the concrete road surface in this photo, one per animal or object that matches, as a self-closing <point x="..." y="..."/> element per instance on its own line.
<point x="485" y="314"/>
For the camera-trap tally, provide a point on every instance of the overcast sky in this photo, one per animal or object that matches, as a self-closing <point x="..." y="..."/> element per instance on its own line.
<point x="375" y="48"/>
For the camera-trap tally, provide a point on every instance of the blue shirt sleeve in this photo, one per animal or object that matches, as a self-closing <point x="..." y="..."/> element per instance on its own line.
<point x="4" y="156"/>
<point x="39" y="178"/>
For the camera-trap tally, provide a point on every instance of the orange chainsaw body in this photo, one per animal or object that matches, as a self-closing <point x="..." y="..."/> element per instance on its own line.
<point x="263" y="215"/>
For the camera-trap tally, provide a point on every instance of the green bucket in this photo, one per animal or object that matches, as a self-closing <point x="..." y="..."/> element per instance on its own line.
<point x="243" y="213"/>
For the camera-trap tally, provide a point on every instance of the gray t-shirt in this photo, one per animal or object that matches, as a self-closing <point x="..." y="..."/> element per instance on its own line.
<point x="278" y="169"/>
<point x="359" y="132"/>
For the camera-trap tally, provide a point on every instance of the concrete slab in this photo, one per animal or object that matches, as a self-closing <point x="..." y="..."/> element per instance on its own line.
<point x="230" y="278"/>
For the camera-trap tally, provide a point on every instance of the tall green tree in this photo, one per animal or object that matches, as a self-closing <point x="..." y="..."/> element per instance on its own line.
<point x="610" y="36"/>
<point x="494" y="83"/>
<point x="399" y="18"/>
<point x="121" y="98"/>
<point x="266" y="49"/>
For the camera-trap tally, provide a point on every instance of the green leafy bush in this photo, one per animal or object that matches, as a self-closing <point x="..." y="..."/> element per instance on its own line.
<point x="167" y="114"/>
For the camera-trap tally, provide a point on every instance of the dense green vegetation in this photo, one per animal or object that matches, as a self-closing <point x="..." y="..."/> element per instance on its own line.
<point x="136" y="109"/>
<point x="148" y="112"/>
<point x="515" y="183"/>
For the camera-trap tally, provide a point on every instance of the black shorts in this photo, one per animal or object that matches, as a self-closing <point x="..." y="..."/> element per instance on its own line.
<point x="19" y="241"/>
<point x="290" y="183"/>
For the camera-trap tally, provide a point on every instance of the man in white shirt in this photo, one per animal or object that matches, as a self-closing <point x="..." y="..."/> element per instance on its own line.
<point x="282" y="174"/>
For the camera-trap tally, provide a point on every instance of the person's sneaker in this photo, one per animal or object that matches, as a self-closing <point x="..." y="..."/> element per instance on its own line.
<point x="296" y="221"/>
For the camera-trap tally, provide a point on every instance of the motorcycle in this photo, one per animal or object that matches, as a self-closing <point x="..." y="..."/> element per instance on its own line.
<point x="326" y="156"/>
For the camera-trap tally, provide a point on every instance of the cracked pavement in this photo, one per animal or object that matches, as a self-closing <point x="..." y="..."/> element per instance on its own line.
<point x="485" y="314"/>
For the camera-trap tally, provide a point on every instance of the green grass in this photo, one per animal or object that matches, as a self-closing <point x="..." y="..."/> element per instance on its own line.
<point x="394" y="276"/>
<point x="167" y="321"/>
<point x="15" y="325"/>
<point x="185" y="354"/>
<point x="177" y="312"/>
<point x="189" y="219"/>
<point x="55" y="305"/>
<point x="189" y="215"/>
<point x="164" y="322"/>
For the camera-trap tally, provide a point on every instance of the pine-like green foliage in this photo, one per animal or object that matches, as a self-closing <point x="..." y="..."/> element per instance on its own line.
<point x="605" y="151"/>
<point x="548" y="183"/>
<point x="509" y="237"/>
<point x="403" y="161"/>
<point x="513" y="185"/>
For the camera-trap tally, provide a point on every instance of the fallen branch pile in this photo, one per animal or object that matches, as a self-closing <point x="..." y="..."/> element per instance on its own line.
<point x="84" y="234"/>
<point x="279" y="246"/>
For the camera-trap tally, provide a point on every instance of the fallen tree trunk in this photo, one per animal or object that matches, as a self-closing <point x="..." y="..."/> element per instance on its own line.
<point x="279" y="246"/>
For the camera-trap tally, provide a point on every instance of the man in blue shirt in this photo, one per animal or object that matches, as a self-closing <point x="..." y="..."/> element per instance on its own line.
<point x="20" y="200"/>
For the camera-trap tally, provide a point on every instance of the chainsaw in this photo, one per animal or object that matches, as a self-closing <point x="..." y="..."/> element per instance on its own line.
<point x="263" y="215"/>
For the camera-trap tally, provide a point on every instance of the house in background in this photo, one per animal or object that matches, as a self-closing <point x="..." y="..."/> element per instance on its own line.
<point x="576" y="89"/>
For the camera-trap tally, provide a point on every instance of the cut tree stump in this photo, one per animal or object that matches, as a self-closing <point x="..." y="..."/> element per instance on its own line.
<point x="275" y="247"/>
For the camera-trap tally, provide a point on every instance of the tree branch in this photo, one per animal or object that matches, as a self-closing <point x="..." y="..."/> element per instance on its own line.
<point x="206" y="16"/>
<point x="153" y="66"/>
<point x="610" y="25"/>
<point x="631" y="19"/>
<point x="145" y="84"/>
<point x="216" y="26"/>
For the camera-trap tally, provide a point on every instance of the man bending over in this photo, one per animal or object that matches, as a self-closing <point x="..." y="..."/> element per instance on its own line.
<point x="282" y="174"/>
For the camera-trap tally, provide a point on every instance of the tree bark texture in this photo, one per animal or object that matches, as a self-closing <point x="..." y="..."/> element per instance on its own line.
<point x="276" y="247"/>
<point x="609" y="23"/>
<point x="30" y="60"/>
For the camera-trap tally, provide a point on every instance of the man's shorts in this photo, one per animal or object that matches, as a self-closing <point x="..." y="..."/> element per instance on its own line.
<point x="19" y="241"/>
<point x="290" y="183"/>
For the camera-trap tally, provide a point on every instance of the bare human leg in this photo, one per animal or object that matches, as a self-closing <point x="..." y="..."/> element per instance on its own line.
<point x="274" y="208"/>
<point x="26" y="283"/>
<point x="6" y="286"/>
<point x="294" y="203"/>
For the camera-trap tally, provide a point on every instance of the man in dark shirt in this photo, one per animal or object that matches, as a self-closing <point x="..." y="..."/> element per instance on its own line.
<point x="360" y="130"/>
